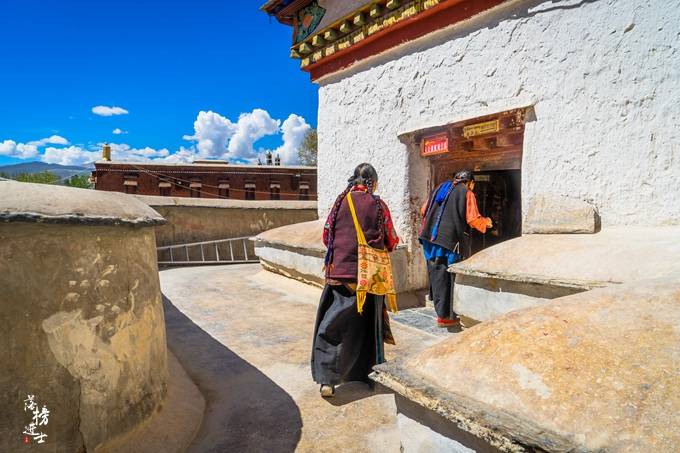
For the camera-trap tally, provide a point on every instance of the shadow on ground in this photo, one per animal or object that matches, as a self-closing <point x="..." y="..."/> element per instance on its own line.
<point x="355" y="391"/>
<point x="245" y="410"/>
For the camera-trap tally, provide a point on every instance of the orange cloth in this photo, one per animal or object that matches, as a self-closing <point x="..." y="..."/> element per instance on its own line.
<point x="472" y="215"/>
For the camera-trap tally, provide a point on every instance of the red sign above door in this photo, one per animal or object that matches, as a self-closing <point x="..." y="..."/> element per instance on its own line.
<point x="432" y="145"/>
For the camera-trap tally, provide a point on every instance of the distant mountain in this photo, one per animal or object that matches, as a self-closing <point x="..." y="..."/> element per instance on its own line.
<point x="63" y="171"/>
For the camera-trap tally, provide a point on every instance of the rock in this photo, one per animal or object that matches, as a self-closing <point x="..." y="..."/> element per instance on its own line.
<point x="553" y="214"/>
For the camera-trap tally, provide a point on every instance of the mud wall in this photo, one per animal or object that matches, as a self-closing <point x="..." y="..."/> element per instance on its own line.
<point x="81" y="320"/>
<point x="195" y="220"/>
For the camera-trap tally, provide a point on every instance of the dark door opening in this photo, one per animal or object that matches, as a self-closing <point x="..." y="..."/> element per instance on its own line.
<point x="498" y="196"/>
<point x="491" y="147"/>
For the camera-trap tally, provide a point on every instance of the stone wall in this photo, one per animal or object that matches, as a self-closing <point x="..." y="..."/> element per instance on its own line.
<point x="601" y="76"/>
<point x="195" y="220"/>
<point x="81" y="320"/>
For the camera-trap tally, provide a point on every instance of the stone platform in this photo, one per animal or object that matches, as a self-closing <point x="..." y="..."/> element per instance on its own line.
<point x="534" y="269"/>
<point x="595" y="371"/>
<point x="297" y="251"/>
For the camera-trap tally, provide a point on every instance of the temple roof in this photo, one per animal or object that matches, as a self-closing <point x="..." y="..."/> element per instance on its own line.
<point x="330" y="35"/>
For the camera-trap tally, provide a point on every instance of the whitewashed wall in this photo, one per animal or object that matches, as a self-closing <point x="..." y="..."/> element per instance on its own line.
<point x="604" y="77"/>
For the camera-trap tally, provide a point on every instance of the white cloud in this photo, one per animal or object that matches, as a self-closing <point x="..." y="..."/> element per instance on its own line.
<point x="53" y="140"/>
<point x="217" y="136"/>
<point x="184" y="155"/>
<point x="19" y="150"/>
<point x="294" y="130"/>
<point x="76" y="155"/>
<point x="212" y="131"/>
<point x="72" y="155"/>
<point x="103" y="110"/>
<point x="250" y="128"/>
<point x="123" y="151"/>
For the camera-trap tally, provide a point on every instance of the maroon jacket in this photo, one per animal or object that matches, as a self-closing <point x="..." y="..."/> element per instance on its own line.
<point x="344" y="261"/>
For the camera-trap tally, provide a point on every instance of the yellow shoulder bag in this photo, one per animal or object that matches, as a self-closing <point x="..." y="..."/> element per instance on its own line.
<point x="374" y="269"/>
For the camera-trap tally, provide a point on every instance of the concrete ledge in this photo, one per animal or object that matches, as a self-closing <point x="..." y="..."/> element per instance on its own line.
<point x="594" y="371"/>
<point x="46" y="203"/>
<point x="297" y="266"/>
<point x="295" y="251"/>
<point x="152" y="200"/>
<point x="304" y="238"/>
<point x="614" y="255"/>
<point x="535" y="269"/>
<point x="480" y="299"/>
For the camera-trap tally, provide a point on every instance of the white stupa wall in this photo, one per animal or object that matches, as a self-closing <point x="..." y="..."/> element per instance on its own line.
<point x="603" y="78"/>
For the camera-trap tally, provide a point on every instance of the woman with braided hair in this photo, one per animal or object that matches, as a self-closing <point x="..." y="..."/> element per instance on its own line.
<point x="347" y="343"/>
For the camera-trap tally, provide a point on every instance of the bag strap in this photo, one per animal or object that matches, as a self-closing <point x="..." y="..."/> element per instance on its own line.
<point x="361" y="239"/>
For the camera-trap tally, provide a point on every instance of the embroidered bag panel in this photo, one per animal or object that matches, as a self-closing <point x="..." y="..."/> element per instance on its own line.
<point x="374" y="269"/>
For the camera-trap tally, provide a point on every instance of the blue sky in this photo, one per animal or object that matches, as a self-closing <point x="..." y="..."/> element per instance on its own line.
<point x="161" y="61"/>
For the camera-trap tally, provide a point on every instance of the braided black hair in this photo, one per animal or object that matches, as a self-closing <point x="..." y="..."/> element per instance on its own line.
<point x="464" y="176"/>
<point x="381" y="216"/>
<point x="364" y="174"/>
<point x="331" y="227"/>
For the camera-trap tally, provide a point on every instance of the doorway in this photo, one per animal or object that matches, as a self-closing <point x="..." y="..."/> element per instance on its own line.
<point x="499" y="196"/>
<point x="490" y="146"/>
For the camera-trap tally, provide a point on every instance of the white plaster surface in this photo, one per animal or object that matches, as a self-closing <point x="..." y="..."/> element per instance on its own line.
<point x="416" y="438"/>
<point x="304" y="264"/>
<point x="603" y="77"/>
<point x="482" y="304"/>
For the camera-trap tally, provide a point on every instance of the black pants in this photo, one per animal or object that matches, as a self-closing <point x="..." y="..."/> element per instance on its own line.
<point x="441" y="287"/>
<point x="346" y="344"/>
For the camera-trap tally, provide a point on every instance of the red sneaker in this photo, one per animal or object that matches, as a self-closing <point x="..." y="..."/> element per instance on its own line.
<point x="445" y="322"/>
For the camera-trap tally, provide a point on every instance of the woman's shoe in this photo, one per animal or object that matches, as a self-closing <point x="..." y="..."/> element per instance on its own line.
<point x="327" y="391"/>
<point x="444" y="322"/>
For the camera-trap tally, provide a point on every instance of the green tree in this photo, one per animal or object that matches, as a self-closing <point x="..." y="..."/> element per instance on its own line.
<point x="82" y="181"/>
<point x="308" y="149"/>
<point x="44" y="177"/>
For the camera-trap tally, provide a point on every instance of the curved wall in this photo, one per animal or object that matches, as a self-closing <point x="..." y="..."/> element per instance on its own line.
<point x="81" y="319"/>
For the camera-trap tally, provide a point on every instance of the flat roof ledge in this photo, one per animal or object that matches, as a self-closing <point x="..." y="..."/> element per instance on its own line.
<point x="594" y="371"/>
<point x="46" y="203"/>
<point x="220" y="203"/>
<point x="584" y="261"/>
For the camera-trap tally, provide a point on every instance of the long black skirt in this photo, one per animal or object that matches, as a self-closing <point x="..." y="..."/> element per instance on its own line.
<point x="347" y="344"/>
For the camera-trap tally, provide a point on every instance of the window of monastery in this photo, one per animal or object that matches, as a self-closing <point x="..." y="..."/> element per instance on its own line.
<point x="195" y="188"/>
<point x="164" y="188"/>
<point x="223" y="189"/>
<point x="275" y="191"/>
<point x="130" y="183"/>
<point x="304" y="191"/>
<point x="250" y="190"/>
